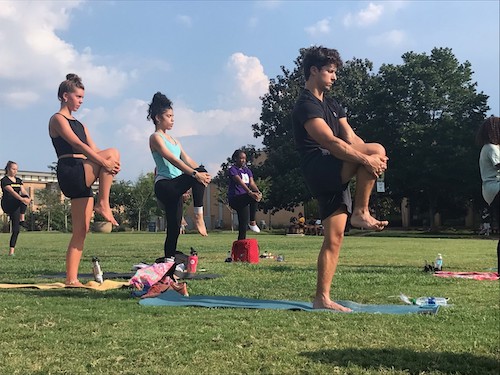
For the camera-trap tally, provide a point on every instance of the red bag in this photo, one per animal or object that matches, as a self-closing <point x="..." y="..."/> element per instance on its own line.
<point x="245" y="251"/>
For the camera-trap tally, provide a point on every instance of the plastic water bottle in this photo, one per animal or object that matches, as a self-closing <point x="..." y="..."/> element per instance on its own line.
<point x="96" y="270"/>
<point x="192" y="261"/>
<point x="429" y="301"/>
<point x="438" y="263"/>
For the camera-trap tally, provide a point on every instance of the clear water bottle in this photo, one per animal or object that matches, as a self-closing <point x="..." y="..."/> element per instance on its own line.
<point x="430" y="301"/>
<point x="438" y="263"/>
<point x="96" y="270"/>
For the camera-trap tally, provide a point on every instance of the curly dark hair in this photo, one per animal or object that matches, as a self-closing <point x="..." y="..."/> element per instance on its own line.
<point x="158" y="105"/>
<point x="489" y="132"/>
<point x="320" y="56"/>
<point x="71" y="83"/>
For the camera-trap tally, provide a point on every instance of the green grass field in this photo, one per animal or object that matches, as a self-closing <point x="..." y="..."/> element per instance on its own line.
<point x="88" y="332"/>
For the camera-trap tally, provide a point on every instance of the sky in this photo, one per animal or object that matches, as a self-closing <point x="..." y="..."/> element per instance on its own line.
<point x="213" y="59"/>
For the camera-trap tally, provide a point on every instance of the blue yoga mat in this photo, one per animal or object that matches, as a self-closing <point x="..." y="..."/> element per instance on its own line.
<point x="172" y="298"/>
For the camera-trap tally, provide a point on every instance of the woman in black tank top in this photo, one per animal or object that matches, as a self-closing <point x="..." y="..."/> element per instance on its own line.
<point x="80" y="164"/>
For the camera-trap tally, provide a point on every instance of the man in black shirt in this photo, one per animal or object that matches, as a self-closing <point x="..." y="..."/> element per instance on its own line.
<point x="331" y="154"/>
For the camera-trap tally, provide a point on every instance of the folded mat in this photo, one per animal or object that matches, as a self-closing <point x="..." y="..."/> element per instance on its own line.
<point x="469" y="275"/>
<point x="106" y="285"/>
<point x="128" y="275"/>
<point x="172" y="298"/>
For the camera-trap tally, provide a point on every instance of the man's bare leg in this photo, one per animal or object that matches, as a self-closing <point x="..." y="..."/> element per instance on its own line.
<point x="361" y="217"/>
<point x="328" y="258"/>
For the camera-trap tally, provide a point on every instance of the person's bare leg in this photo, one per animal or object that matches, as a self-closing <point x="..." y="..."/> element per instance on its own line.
<point x="361" y="217"/>
<point x="102" y="206"/>
<point x="328" y="259"/>
<point x="81" y="212"/>
<point x="12" y="250"/>
<point x="199" y="221"/>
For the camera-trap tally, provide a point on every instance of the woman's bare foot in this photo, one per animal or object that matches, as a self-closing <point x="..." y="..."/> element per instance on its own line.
<point x="199" y="224"/>
<point x="367" y="222"/>
<point x="73" y="284"/>
<point x="321" y="303"/>
<point x="106" y="214"/>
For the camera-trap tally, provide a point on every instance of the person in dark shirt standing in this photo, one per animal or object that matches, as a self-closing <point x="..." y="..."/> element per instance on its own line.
<point x="15" y="200"/>
<point x="331" y="155"/>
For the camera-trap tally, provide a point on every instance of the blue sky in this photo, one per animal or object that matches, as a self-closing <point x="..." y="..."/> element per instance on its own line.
<point x="214" y="60"/>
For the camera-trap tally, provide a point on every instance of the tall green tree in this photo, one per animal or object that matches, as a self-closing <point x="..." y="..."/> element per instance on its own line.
<point x="425" y="112"/>
<point x="287" y="188"/>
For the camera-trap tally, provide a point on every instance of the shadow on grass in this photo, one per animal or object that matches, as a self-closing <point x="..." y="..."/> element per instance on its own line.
<point x="407" y="360"/>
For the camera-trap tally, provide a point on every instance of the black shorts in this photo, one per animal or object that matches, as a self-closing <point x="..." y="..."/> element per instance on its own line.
<point x="323" y="179"/>
<point x="71" y="178"/>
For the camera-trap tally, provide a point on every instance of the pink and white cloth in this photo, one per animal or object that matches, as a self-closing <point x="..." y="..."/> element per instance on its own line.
<point x="469" y="275"/>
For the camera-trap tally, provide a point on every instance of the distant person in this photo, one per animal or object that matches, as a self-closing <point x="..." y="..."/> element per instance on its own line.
<point x="15" y="200"/>
<point x="80" y="163"/>
<point x="331" y="154"/>
<point x="488" y="137"/>
<point x="176" y="173"/>
<point x="243" y="194"/>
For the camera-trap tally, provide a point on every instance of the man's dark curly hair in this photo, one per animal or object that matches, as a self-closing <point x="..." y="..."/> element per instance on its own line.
<point x="320" y="56"/>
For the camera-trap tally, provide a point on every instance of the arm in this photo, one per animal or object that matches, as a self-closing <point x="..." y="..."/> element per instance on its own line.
<point x="58" y="126"/>
<point x="347" y="133"/>
<point x="251" y="189"/>
<point x="156" y="144"/>
<point x="11" y="191"/>
<point x="319" y="130"/>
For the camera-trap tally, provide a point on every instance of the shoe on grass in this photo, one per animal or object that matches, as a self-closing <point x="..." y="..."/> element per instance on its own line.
<point x="254" y="228"/>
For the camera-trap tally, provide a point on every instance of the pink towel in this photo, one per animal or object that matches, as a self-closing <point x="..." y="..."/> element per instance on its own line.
<point x="469" y="275"/>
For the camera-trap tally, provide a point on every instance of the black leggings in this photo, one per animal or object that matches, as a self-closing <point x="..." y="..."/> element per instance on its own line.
<point x="169" y="193"/>
<point x="495" y="209"/>
<point x="14" y="213"/>
<point x="245" y="207"/>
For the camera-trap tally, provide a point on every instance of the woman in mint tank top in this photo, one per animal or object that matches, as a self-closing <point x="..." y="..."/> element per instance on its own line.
<point x="176" y="173"/>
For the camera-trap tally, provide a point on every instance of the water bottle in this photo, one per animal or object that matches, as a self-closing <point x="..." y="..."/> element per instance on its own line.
<point x="429" y="301"/>
<point x="438" y="263"/>
<point x="96" y="270"/>
<point x="229" y="259"/>
<point x="192" y="261"/>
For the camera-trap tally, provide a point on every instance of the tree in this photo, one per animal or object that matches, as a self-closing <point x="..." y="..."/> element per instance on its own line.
<point x="143" y="200"/>
<point x="286" y="186"/>
<point x="53" y="211"/>
<point x="426" y="114"/>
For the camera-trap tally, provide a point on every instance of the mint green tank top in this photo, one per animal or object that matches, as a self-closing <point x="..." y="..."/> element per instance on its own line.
<point x="163" y="167"/>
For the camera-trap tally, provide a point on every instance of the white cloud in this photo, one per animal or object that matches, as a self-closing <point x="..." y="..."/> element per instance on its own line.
<point x="393" y="38"/>
<point x="35" y="57"/>
<point x="185" y="20"/>
<point x="321" y="27"/>
<point x="20" y="99"/>
<point x="249" y="78"/>
<point x="365" y="17"/>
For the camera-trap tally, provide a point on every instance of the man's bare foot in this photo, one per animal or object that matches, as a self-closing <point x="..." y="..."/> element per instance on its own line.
<point x="367" y="222"/>
<point x="73" y="284"/>
<point x="199" y="224"/>
<point x="106" y="214"/>
<point x="320" y="303"/>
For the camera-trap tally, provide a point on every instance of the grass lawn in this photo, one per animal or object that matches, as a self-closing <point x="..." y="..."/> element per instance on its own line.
<point x="88" y="332"/>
